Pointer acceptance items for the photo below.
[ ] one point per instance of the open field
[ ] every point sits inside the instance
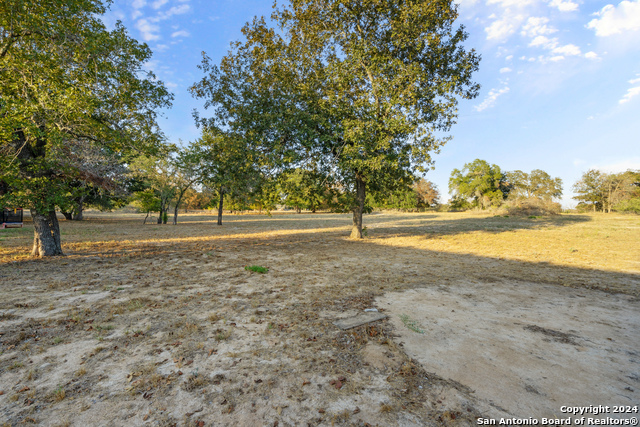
(162, 325)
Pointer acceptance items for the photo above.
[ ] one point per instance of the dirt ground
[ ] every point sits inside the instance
(162, 325)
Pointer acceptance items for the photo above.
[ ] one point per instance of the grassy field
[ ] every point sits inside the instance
(164, 324)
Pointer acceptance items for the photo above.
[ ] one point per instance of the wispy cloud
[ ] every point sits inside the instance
(616, 20)
(491, 98)
(632, 92)
(505, 70)
(181, 33)
(148, 30)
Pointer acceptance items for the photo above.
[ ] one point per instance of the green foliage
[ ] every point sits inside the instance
(537, 184)
(598, 190)
(360, 90)
(69, 87)
(411, 324)
(478, 184)
(256, 269)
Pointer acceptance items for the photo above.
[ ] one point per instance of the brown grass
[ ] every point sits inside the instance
(182, 324)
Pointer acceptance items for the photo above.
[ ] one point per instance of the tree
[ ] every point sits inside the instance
(479, 183)
(537, 184)
(591, 189)
(158, 175)
(67, 82)
(228, 165)
(427, 192)
(623, 191)
(359, 89)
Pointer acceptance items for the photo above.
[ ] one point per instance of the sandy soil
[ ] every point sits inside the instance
(525, 349)
(162, 325)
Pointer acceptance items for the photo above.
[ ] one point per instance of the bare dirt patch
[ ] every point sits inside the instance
(162, 325)
(525, 349)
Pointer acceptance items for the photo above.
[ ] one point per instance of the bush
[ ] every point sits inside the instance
(532, 207)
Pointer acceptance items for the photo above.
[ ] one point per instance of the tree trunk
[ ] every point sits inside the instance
(67, 215)
(145, 218)
(175, 215)
(356, 231)
(46, 234)
(79, 210)
(220, 206)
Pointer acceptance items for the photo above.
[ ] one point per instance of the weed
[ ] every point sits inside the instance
(223, 335)
(16, 365)
(135, 304)
(81, 372)
(214, 317)
(411, 324)
(59, 394)
(256, 268)
(57, 340)
(105, 328)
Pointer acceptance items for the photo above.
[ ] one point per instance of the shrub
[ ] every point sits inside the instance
(532, 207)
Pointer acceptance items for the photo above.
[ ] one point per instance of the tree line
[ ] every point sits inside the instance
(480, 184)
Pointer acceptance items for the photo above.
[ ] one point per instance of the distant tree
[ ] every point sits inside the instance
(623, 191)
(537, 184)
(158, 176)
(478, 184)
(591, 189)
(427, 192)
(229, 165)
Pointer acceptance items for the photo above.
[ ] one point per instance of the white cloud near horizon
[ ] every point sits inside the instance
(616, 19)
(621, 166)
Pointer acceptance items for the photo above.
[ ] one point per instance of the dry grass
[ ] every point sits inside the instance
(184, 326)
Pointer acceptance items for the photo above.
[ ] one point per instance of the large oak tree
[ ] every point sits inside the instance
(362, 89)
(67, 82)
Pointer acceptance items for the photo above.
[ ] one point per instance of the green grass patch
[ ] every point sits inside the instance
(256, 268)
(411, 324)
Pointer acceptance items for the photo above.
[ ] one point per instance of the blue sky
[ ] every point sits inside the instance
(560, 78)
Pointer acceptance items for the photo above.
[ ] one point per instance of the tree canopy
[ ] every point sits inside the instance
(68, 83)
(478, 184)
(359, 90)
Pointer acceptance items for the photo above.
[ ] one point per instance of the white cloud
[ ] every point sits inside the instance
(139, 4)
(511, 3)
(491, 98)
(181, 33)
(564, 5)
(568, 49)
(505, 70)
(147, 30)
(617, 20)
(537, 26)
(632, 92)
(544, 42)
(509, 58)
(591, 55)
(502, 28)
(556, 58)
(621, 166)
(158, 4)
